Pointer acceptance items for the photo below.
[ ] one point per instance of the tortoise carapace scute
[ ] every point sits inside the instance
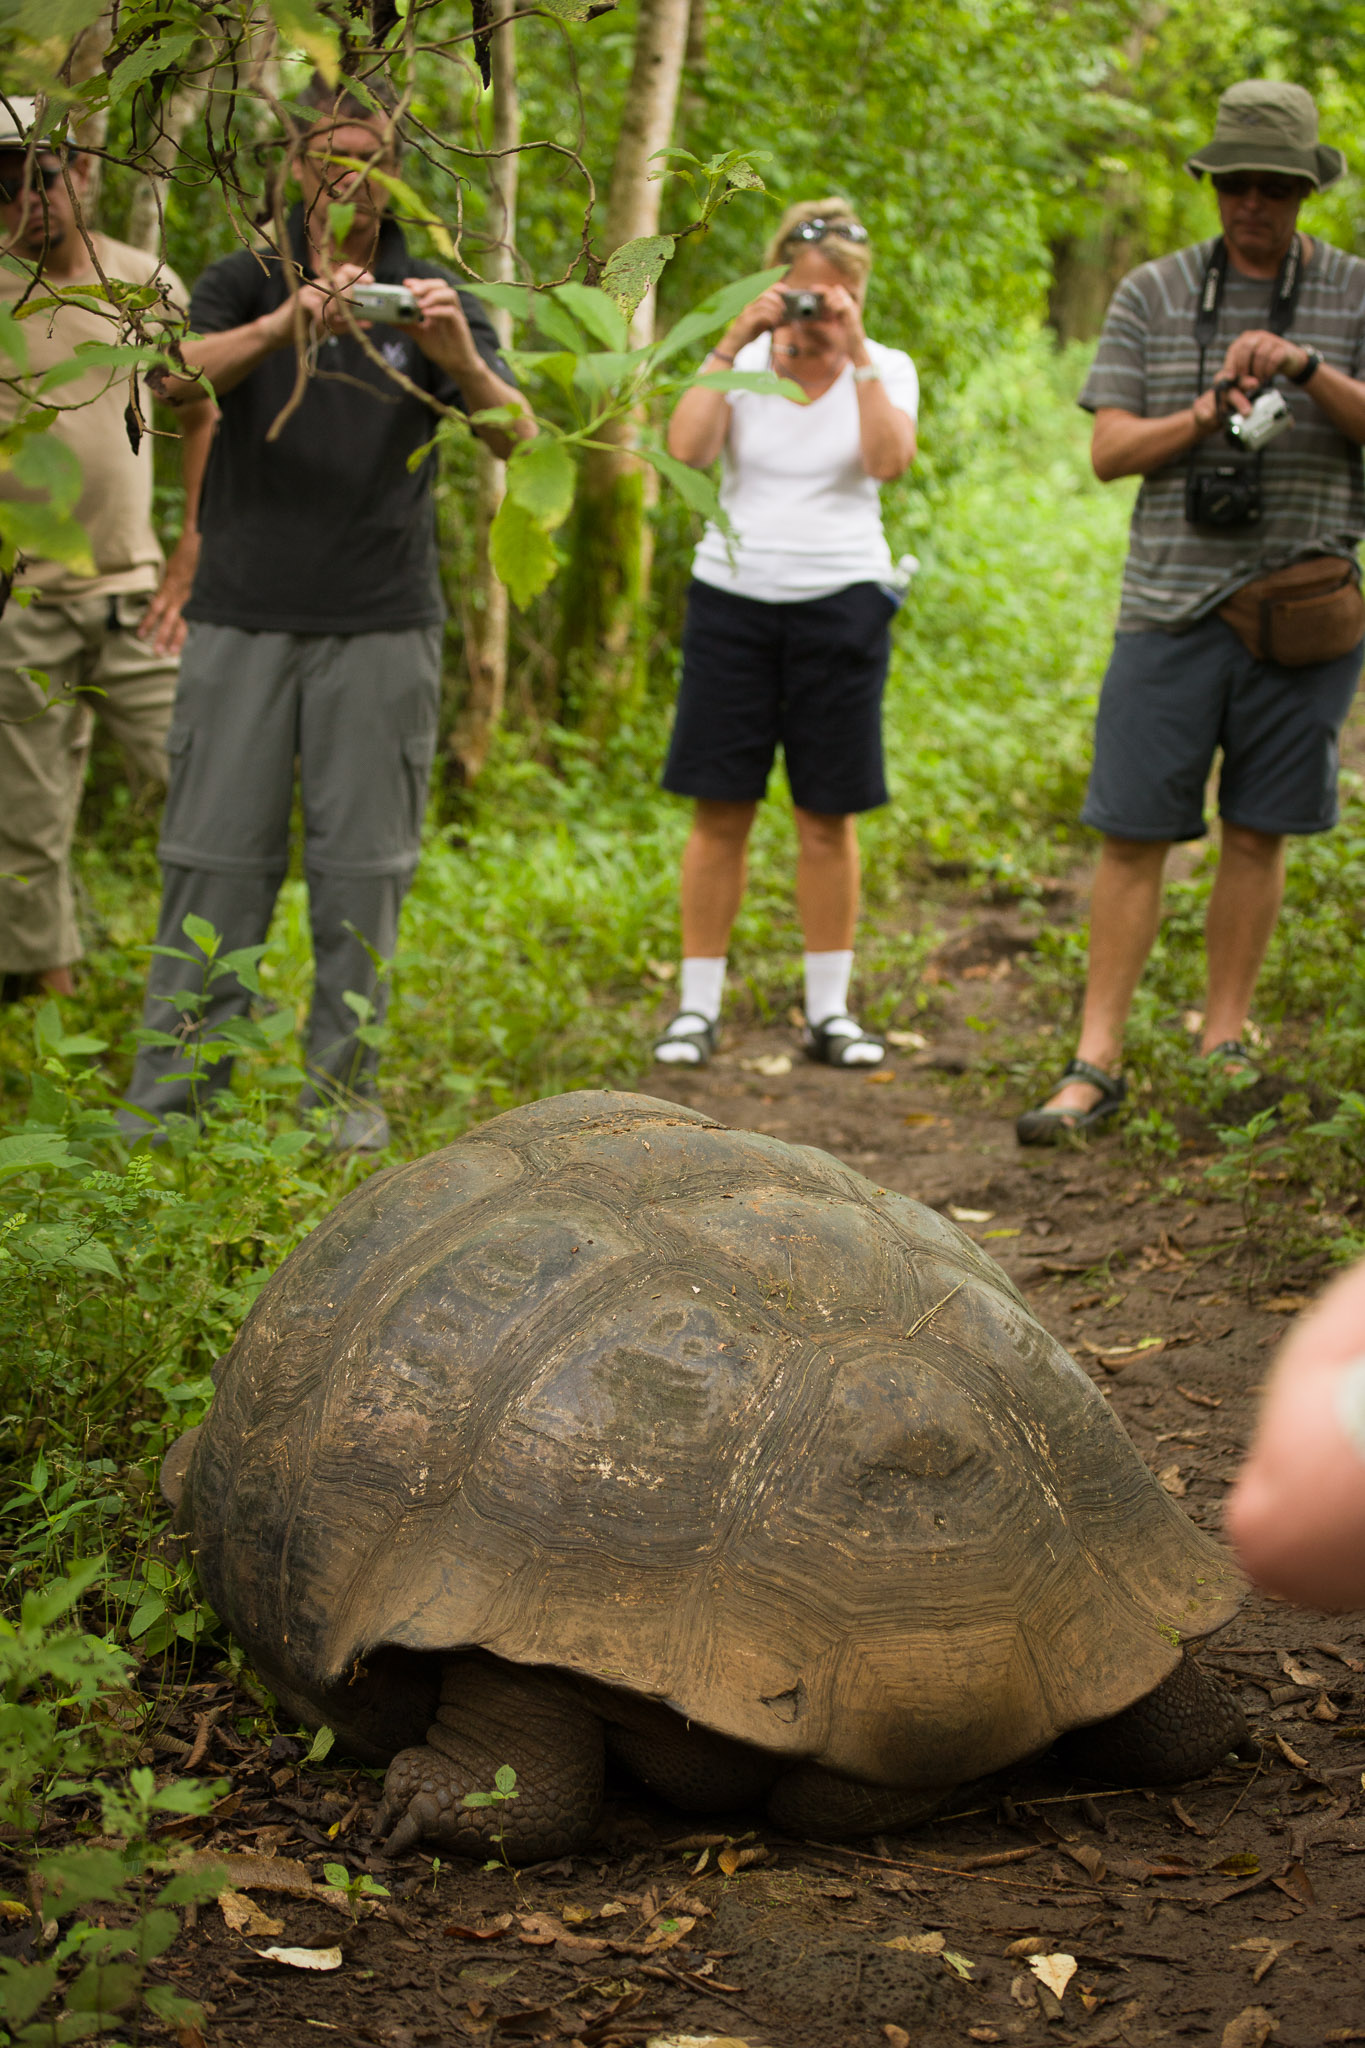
(687, 1416)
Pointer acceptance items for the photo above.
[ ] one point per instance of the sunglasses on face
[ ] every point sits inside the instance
(816, 230)
(13, 187)
(1239, 185)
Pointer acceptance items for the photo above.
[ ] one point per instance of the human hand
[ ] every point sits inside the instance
(843, 313)
(760, 317)
(442, 333)
(162, 624)
(1212, 407)
(1257, 356)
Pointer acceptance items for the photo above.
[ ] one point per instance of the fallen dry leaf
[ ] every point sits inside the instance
(923, 1119)
(494, 1931)
(769, 1064)
(1286, 1304)
(1171, 1480)
(1252, 2028)
(1024, 1991)
(1291, 1756)
(668, 1933)
(1089, 1858)
(1056, 1971)
(10, 1909)
(1199, 1400)
(917, 1944)
(970, 1215)
(1299, 1674)
(882, 1075)
(1244, 1865)
(733, 1859)
(960, 1965)
(698, 2041)
(896, 2036)
(575, 1916)
(243, 1916)
(538, 1930)
(302, 1958)
(1296, 1884)
(982, 2034)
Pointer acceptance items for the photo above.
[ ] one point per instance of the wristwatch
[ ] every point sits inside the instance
(867, 373)
(1312, 363)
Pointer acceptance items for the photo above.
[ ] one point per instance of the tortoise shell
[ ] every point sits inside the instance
(608, 1387)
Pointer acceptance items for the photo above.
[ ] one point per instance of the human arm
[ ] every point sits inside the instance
(701, 419)
(1258, 356)
(162, 623)
(1297, 1515)
(886, 434)
(1123, 444)
(444, 336)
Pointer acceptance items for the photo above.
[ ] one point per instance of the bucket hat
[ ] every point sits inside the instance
(1265, 124)
(16, 121)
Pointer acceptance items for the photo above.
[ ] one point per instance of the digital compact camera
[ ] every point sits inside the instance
(1227, 493)
(803, 305)
(389, 304)
(1269, 417)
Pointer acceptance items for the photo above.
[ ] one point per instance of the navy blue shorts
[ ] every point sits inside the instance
(806, 676)
(1170, 701)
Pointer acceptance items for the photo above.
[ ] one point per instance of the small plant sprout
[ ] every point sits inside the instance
(504, 1788)
(355, 1888)
(435, 1871)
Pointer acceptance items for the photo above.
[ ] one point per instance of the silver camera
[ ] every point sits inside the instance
(1269, 417)
(803, 305)
(390, 304)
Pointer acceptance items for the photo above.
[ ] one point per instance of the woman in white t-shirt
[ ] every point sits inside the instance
(787, 637)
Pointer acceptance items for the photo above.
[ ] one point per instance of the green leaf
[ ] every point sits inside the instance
(301, 24)
(321, 1746)
(57, 20)
(23, 1987)
(717, 311)
(158, 53)
(556, 323)
(415, 208)
(631, 270)
(597, 374)
(46, 536)
(505, 1779)
(104, 1988)
(98, 355)
(509, 298)
(201, 933)
(765, 382)
(13, 340)
(47, 465)
(22, 1154)
(693, 486)
(541, 476)
(337, 1874)
(522, 553)
(597, 312)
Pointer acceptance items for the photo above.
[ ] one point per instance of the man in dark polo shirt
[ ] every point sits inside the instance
(1241, 622)
(315, 618)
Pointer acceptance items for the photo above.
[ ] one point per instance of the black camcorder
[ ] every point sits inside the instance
(1223, 494)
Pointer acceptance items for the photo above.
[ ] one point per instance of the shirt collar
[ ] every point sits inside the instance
(391, 263)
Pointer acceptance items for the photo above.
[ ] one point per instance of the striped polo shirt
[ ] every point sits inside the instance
(1312, 494)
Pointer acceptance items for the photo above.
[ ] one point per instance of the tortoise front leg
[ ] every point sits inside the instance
(1182, 1730)
(493, 1714)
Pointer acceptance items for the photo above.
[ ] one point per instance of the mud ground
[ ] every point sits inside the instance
(1232, 1912)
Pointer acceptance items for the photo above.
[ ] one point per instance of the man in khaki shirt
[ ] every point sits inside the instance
(106, 642)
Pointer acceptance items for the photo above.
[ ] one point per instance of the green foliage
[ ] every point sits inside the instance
(356, 1887)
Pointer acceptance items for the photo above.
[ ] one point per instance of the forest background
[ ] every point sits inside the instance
(1011, 161)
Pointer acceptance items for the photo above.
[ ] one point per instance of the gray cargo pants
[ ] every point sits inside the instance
(358, 711)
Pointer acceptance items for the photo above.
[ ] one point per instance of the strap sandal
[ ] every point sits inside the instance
(841, 1042)
(1232, 1061)
(1049, 1126)
(689, 1040)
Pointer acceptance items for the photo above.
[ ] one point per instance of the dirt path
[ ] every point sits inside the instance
(1233, 1913)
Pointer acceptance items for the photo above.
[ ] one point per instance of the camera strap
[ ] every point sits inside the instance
(1283, 301)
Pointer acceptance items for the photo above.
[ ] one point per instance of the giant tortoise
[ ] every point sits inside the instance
(609, 1430)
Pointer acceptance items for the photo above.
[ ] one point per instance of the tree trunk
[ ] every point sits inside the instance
(485, 617)
(606, 582)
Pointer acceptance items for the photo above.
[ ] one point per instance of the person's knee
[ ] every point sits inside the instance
(825, 834)
(1135, 856)
(1252, 849)
(722, 823)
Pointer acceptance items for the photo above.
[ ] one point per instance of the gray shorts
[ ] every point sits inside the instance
(1170, 701)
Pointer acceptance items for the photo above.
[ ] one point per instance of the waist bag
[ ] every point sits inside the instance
(1310, 612)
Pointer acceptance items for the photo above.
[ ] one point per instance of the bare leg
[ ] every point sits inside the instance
(827, 879)
(1125, 912)
(493, 1714)
(713, 874)
(1245, 903)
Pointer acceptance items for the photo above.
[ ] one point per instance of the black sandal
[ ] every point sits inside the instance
(1048, 1126)
(696, 1044)
(1232, 1054)
(832, 1046)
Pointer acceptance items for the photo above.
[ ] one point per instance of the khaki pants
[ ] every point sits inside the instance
(82, 645)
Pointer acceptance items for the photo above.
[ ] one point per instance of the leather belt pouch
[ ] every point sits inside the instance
(1311, 612)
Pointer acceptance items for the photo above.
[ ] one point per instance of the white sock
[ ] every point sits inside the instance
(703, 985)
(827, 979)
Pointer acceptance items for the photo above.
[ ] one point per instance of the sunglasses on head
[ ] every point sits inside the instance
(816, 230)
(11, 188)
(1237, 184)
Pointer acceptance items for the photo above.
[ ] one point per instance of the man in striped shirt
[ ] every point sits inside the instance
(1189, 342)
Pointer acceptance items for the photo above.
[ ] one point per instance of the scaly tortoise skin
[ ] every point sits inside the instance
(610, 1427)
